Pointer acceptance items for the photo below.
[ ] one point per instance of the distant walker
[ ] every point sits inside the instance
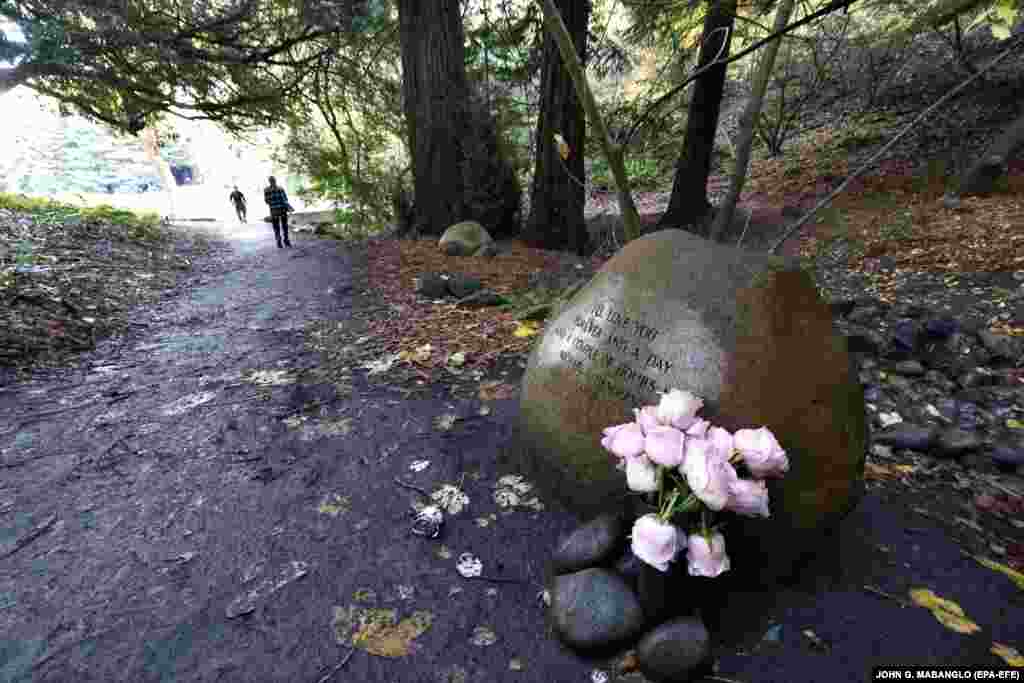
(238, 200)
(277, 199)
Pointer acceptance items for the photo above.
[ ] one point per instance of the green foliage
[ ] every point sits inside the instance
(141, 226)
(238, 62)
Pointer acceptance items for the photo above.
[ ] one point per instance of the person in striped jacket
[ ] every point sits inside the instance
(277, 199)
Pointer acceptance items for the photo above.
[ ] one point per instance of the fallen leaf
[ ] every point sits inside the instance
(1013, 575)
(419, 465)
(469, 566)
(563, 146)
(445, 422)
(457, 359)
(380, 633)
(527, 329)
(269, 378)
(515, 664)
(451, 498)
(947, 612)
(483, 636)
(334, 504)
(382, 364)
(496, 390)
(889, 419)
(1009, 654)
(816, 642)
(1015, 424)
(187, 403)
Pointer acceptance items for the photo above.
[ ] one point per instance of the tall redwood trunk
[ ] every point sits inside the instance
(557, 195)
(688, 205)
(435, 94)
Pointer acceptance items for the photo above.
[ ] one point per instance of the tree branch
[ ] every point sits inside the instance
(830, 8)
(874, 157)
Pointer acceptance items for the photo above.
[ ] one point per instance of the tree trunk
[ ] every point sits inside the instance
(751, 111)
(981, 177)
(557, 195)
(435, 93)
(613, 152)
(688, 204)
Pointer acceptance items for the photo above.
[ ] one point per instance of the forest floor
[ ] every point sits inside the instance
(211, 449)
(226, 491)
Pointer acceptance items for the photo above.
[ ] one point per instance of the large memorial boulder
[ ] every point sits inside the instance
(744, 330)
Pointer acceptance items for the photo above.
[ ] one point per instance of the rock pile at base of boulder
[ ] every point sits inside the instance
(602, 597)
(934, 386)
(467, 289)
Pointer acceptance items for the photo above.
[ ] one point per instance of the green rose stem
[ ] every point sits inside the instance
(661, 486)
(666, 511)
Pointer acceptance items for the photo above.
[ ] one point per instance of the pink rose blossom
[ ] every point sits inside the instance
(664, 446)
(748, 497)
(656, 542)
(721, 442)
(707, 475)
(699, 428)
(647, 417)
(761, 453)
(707, 558)
(641, 475)
(678, 409)
(624, 441)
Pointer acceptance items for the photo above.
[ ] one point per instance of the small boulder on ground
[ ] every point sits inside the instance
(590, 545)
(461, 286)
(484, 297)
(594, 608)
(675, 651)
(432, 285)
(464, 239)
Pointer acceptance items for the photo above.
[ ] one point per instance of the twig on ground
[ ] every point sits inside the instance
(34, 533)
(496, 579)
(750, 214)
(890, 596)
(1008, 491)
(337, 667)
(412, 487)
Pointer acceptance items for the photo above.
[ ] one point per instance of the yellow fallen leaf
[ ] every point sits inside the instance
(334, 504)
(525, 330)
(1009, 655)
(1015, 424)
(563, 146)
(1013, 574)
(947, 612)
(378, 631)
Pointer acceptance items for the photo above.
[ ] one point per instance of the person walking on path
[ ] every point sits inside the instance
(277, 199)
(238, 199)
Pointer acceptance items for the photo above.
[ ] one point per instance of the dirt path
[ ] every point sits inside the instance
(191, 505)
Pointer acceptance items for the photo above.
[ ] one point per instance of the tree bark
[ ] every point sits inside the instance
(981, 177)
(557, 195)
(688, 204)
(751, 111)
(435, 93)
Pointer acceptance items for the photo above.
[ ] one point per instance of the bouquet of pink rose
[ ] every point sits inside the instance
(692, 467)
